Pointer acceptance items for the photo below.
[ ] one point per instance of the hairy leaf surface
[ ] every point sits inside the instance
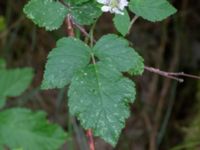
(124, 58)
(99, 97)
(46, 13)
(86, 13)
(69, 56)
(23, 129)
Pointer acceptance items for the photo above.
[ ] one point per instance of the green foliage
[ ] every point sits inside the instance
(85, 14)
(46, 13)
(95, 88)
(23, 129)
(51, 14)
(13, 82)
(69, 56)
(122, 22)
(99, 97)
(117, 50)
(152, 10)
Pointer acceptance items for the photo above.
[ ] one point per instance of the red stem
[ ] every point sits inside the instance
(70, 32)
(90, 139)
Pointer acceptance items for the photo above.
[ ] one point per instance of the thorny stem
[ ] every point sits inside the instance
(70, 32)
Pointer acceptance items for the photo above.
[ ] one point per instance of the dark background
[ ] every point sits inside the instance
(165, 114)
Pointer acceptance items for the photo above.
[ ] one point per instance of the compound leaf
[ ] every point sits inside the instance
(152, 10)
(23, 129)
(46, 13)
(69, 56)
(99, 97)
(117, 50)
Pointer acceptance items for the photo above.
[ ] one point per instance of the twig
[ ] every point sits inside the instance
(70, 30)
(171, 75)
(163, 73)
(82, 29)
(90, 139)
(132, 22)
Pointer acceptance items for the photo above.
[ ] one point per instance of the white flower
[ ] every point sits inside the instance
(113, 6)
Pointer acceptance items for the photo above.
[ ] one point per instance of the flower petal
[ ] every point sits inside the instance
(106, 8)
(103, 1)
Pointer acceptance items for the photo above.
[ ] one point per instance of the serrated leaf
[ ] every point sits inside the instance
(69, 56)
(14, 82)
(122, 22)
(99, 97)
(22, 128)
(116, 50)
(86, 13)
(46, 13)
(152, 10)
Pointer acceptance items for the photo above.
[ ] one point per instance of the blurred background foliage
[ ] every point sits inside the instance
(166, 113)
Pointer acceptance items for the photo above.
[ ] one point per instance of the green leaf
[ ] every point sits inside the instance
(116, 50)
(152, 10)
(86, 13)
(99, 97)
(69, 56)
(2, 63)
(46, 13)
(14, 82)
(122, 22)
(22, 128)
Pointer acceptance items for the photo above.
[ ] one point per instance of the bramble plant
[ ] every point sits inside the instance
(99, 94)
